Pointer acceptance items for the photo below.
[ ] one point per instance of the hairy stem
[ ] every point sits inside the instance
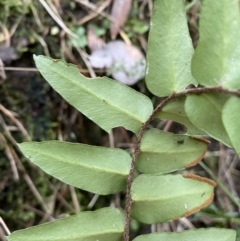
(197, 91)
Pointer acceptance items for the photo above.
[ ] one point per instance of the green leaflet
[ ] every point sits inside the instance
(174, 110)
(216, 59)
(205, 112)
(162, 152)
(231, 121)
(169, 49)
(107, 102)
(95, 169)
(106, 224)
(167, 197)
(206, 234)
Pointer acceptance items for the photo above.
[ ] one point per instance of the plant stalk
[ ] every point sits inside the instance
(197, 91)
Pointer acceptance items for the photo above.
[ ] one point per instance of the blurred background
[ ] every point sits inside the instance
(95, 36)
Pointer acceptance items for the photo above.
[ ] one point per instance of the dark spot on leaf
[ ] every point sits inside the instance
(180, 142)
(203, 194)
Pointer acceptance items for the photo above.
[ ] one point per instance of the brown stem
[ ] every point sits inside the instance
(140, 135)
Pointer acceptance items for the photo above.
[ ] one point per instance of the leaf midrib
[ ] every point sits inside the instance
(71, 163)
(172, 197)
(166, 153)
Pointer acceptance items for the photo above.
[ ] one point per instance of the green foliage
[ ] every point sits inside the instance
(168, 63)
(175, 110)
(202, 109)
(163, 152)
(154, 198)
(96, 169)
(167, 197)
(105, 224)
(231, 117)
(81, 40)
(216, 60)
(98, 98)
